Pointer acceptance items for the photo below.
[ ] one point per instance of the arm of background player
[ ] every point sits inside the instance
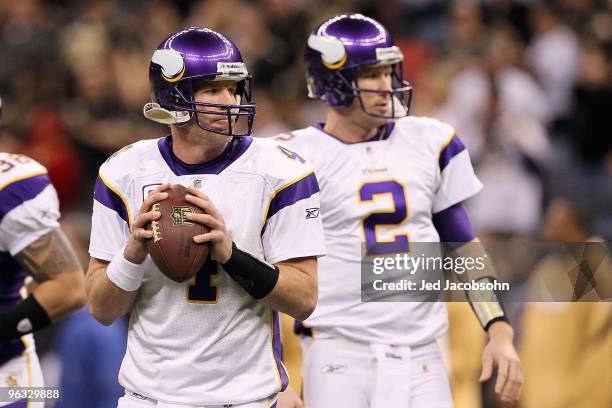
(295, 292)
(107, 302)
(51, 261)
(453, 225)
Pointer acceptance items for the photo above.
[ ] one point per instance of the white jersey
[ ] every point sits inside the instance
(381, 192)
(29, 209)
(207, 341)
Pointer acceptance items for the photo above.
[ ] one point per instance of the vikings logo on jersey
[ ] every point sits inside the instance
(11, 380)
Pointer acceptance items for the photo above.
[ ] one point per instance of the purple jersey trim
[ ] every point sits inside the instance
(277, 348)
(453, 224)
(232, 152)
(108, 198)
(300, 190)
(21, 191)
(453, 148)
(382, 133)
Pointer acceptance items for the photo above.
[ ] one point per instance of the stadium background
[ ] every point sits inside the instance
(527, 84)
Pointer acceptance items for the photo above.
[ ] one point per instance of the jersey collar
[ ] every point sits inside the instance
(382, 133)
(232, 152)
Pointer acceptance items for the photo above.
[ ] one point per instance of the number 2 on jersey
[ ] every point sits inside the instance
(396, 216)
(202, 290)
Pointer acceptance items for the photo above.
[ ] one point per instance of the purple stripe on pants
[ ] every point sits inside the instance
(278, 351)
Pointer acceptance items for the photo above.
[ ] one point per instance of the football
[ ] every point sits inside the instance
(172, 247)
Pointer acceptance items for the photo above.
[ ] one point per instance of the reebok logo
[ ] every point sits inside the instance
(312, 213)
(334, 369)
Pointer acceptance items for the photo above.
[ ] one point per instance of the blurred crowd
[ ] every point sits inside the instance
(527, 84)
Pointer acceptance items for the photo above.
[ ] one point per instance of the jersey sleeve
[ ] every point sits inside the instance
(110, 226)
(293, 227)
(458, 181)
(29, 209)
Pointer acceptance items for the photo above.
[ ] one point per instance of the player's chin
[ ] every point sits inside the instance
(220, 125)
(376, 117)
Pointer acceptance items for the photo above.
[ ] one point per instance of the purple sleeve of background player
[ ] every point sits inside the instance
(453, 224)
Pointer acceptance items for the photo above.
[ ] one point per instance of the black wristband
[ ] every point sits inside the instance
(255, 276)
(23, 318)
(495, 319)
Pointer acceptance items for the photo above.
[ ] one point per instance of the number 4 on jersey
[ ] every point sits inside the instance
(291, 154)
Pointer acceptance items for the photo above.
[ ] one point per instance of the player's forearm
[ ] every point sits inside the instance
(62, 294)
(52, 263)
(295, 292)
(107, 302)
(289, 287)
(485, 303)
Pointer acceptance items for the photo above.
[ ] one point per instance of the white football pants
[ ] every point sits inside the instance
(132, 400)
(340, 373)
(22, 371)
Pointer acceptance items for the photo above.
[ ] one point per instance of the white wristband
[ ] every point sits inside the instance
(126, 275)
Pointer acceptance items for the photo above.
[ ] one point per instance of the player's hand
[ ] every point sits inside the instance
(218, 237)
(289, 399)
(500, 353)
(136, 248)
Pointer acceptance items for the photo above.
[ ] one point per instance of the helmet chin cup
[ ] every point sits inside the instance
(153, 111)
(400, 98)
(398, 109)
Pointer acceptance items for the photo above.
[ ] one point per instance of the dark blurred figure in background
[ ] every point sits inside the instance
(589, 122)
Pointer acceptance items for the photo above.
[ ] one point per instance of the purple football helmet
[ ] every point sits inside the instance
(338, 48)
(187, 57)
